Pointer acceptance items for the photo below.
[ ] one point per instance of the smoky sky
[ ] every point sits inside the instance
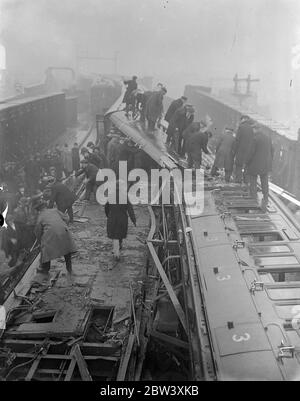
(177, 41)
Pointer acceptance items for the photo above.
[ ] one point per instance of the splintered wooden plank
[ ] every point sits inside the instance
(169, 339)
(124, 363)
(22, 287)
(70, 370)
(83, 369)
(33, 368)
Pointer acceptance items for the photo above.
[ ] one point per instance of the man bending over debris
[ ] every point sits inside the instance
(54, 236)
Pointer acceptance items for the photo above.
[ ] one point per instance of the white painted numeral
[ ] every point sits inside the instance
(223, 278)
(238, 339)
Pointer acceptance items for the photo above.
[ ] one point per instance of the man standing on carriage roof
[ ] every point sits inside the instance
(131, 86)
(259, 163)
(244, 142)
(175, 105)
(155, 108)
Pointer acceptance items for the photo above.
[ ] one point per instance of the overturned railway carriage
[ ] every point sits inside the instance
(236, 291)
(29, 124)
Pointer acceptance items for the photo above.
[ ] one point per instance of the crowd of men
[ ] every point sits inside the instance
(38, 184)
(244, 154)
(39, 177)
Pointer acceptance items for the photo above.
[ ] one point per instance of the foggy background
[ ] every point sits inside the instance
(179, 42)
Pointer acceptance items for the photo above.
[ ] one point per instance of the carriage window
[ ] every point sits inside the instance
(286, 277)
(276, 260)
(281, 294)
(245, 210)
(261, 250)
(261, 237)
(256, 227)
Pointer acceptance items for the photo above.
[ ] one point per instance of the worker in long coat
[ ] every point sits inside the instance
(67, 160)
(182, 118)
(196, 142)
(192, 128)
(155, 108)
(63, 197)
(175, 105)
(54, 237)
(141, 102)
(75, 157)
(244, 142)
(131, 86)
(114, 148)
(259, 163)
(117, 221)
(225, 152)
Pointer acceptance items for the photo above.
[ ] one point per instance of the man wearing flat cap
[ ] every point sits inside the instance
(181, 119)
(54, 236)
(244, 142)
(175, 105)
(155, 108)
(259, 163)
(225, 151)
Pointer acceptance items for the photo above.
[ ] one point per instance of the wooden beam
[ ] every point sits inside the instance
(124, 362)
(83, 369)
(70, 370)
(170, 339)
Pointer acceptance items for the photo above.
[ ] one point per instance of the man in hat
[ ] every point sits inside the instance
(117, 219)
(32, 174)
(259, 163)
(244, 142)
(155, 108)
(196, 140)
(141, 101)
(90, 171)
(54, 236)
(63, 197)
(67, 160)
(131, 85)
(225, 152)
(24, 224)
(75, 157)
(91, 158)
(180, 120)
(175, 105)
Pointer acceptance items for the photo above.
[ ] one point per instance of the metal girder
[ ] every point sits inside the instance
(169, 339)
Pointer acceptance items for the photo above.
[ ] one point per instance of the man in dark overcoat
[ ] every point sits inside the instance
(63, 197)
(54, 237)
(181, 119)
(225, 151)
(75, 157)
(131, 86)
(259, 163)
(141, 101)
(195, 143)
(244, 141)
(176, 104)
(155, 108)
(90, 171)
(117, 221)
